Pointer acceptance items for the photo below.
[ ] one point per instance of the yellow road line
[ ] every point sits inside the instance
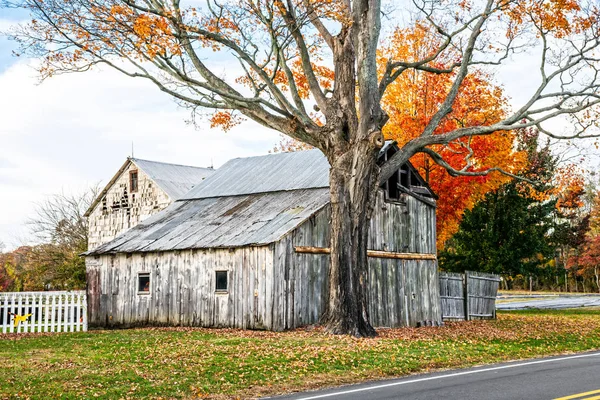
(580, 395)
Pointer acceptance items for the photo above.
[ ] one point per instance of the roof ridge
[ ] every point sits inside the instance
(134, 159)
(251, 194)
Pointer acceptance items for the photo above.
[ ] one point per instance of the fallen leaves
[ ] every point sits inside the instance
(230, 363)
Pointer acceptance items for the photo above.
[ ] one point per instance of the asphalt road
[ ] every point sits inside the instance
(547, 302)
(565, 378)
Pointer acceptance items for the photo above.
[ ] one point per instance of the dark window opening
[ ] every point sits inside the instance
(221, 281)
(393, 192)
(133, 181)
(144, 283)
(404, 177)
(414, 180)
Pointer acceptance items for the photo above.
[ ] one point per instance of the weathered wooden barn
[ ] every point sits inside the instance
(247, 248)
(139, 189)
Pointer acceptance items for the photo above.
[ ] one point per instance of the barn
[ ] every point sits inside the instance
(248, 248)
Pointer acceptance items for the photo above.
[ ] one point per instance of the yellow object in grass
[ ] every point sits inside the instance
(20, 318)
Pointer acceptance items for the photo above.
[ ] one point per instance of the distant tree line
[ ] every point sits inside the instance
(543, 233)
(54, 263)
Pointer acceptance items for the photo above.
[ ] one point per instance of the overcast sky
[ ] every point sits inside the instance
(74, 131)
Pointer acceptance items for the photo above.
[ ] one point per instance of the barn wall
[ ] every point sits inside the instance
(401, 292)
(120, 210)
(404, 226)
(182, 289)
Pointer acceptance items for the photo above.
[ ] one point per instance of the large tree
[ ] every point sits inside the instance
(309, 70)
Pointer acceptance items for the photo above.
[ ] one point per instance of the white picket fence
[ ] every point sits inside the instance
(50, 311)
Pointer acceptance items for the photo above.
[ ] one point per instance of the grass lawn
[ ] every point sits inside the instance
(204, 363)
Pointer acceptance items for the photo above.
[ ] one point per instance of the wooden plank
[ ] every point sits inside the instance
(370, 253)
(484, 278)
(4, 309)
(19, 312)
(40, 312)
(53, 300)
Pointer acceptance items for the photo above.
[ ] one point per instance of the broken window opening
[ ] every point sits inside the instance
(133, 181)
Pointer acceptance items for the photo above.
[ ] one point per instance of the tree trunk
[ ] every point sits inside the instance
(354, 180)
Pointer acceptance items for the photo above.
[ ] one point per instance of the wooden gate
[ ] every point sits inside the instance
(22, 312)
(452, 294)
(469, 296)
(481, 292)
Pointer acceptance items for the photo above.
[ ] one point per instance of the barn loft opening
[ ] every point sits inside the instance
(133, 181)
(405, 180)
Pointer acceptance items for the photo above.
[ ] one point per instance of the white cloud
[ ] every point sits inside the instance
(72, 131)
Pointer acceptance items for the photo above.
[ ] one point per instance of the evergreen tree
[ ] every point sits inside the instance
(510, 231)
(506, 233)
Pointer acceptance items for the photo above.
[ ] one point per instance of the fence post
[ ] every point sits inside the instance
(47, 308)
(85, 311)
(466, 286)
(4, 305)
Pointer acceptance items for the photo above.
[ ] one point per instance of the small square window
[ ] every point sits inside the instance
(143, 283)
(133, 181)
(221, 281)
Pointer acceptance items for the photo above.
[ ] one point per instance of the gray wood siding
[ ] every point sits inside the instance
(401, 292)
(182, 289)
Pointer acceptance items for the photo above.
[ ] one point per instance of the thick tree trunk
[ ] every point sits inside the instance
(353, 184)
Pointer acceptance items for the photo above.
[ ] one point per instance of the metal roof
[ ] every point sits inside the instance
(233, 221)
(176, 180)
(307, 169)
(248, 201)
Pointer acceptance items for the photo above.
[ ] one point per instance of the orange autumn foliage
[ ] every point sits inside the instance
(411, 102)
(224, 119)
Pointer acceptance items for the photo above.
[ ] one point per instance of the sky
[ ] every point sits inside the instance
(74, 131)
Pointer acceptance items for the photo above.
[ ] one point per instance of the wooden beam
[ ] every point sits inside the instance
(370, 253)
(401, 256)
(312, 250)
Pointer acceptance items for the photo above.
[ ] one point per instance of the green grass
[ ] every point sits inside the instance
(192, 363)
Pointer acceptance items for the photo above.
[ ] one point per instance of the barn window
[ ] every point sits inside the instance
(133, 181)
(221, 281)
(143, 283)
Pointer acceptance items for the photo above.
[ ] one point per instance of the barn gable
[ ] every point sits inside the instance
(138, 190)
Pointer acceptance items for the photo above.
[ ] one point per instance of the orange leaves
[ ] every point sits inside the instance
(225, 120)
(413, 99)
(155, 36)
(557, 18)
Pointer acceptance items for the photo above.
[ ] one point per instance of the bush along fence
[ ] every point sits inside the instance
(468, 296)
(23, 312)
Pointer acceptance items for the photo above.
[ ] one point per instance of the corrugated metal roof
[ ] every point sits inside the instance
(271, 173)
(176, 180)
(233, 221)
